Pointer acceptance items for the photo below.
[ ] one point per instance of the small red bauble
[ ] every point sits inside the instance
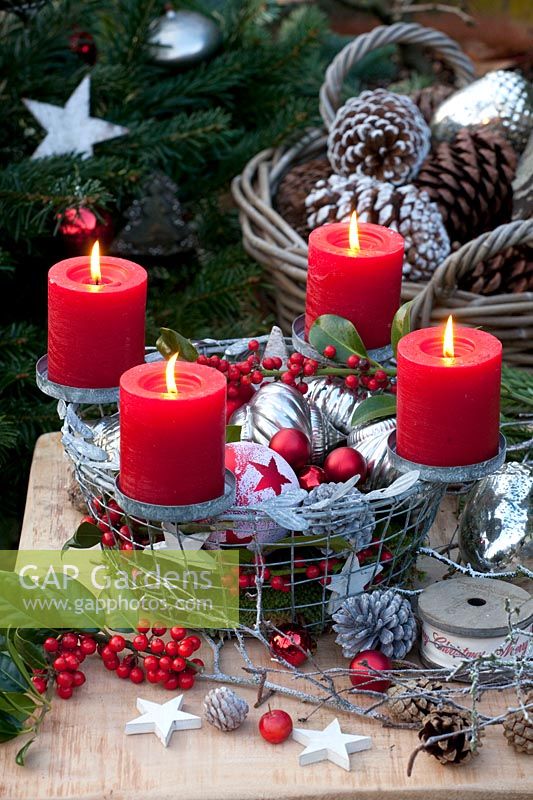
(344, 463)
(362, 677)
(80, 228)
(293, 445)
(275, 726)
(82, 43)
(311, 477)
(289, 643)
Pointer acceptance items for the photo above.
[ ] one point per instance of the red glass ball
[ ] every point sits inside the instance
(275, 726)
(311, 476)
(82, 43)
(80, 228)
(293, 445)
(287, 643)
(344, 463)
(363, 678)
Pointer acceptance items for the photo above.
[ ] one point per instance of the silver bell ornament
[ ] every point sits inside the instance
(335, 401)
(371, 441)
(182, 38)
(275, 406)
(496, 528)
(500, 99)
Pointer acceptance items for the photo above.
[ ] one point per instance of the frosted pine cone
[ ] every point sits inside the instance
(383, 620)
(350, 516)
(379, 134)
(405, 209)
(224, 709)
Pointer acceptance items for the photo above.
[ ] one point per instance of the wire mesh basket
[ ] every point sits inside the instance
(322, 553)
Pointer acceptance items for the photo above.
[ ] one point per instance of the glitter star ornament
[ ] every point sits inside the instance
(70, 129)
(162, 719)
(331, 744)
(351, 580)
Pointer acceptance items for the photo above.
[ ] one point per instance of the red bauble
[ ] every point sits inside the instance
(82, 43)
(80, 228)
(287, 643)
(275, 726)
(344, 463)
(311, 477)
(293, 445)
(362, 677)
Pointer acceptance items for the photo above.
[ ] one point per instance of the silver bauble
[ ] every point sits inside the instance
(496, 528)
(499, 99)
(275, 406)
(335, 401)
(182, 38)
(371, 441)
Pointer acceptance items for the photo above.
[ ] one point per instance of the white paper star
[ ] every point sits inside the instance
(351, 580)
(331, 744)
(70, 128)
(162, 719)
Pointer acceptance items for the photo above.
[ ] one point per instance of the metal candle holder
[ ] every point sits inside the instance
(453, 475)
(300, 343)
(71, 394)
(184, 513)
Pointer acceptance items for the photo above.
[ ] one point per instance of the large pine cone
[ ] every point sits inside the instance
(510, 271)
(429, 98)
(379, 134)
(294, 188)
(403, 208)
(457, 749)
(407, 704)
(471, 181)
(518, 731)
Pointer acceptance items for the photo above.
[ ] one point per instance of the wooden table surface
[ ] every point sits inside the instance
(83, 754)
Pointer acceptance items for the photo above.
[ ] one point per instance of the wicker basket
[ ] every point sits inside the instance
(269, 239)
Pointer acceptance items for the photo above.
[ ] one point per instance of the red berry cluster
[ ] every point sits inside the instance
(68, 651)
(298, 368)
(320, 571)
(364, 374)
(166, 663)
(116, 531)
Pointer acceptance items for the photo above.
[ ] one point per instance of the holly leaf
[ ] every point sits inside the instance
(233, 433)
(171, 342)
(31, 653)
(339, 332)
(21, 755)
(10, 726)
(401, 325)
(87, 535)
(11, 678)
(375, 407)
(17, 704)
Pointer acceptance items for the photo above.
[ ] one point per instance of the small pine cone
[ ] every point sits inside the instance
(294, 188)
(406, 707)
(382, 620)
(456, 749)
(519, 731)
(405, 209)
(510, 271)
(379, 134)
(350, 516)
(224, 709)
(429, 98)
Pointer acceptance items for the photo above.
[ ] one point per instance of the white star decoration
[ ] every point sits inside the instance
(71, 129)
(351, 580)
(162, 719)
(331, 744)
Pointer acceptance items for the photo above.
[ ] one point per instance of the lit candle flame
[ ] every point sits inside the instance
(96, 274)
(353, 234)
(170, 376)
(448, 350)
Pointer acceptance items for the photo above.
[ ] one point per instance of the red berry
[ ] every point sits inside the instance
(51, 645)
(277, 583)
(288, 378)
(117, 643)
(72, 662)
(87, 519)
(171, 683)
(165, 663)
(97, 506)
(88, 645)
(104, 527)
(107, 653)
(275, 726)
(60, 664)
(140, 642)
(171, 649)
(65, 692)
(373, 385)
(151, 663)
(268, 363)
(309, 370)
(353, 361)
(185, 649)
(379, 375)
(111, 663)
(351, 381)
(196, 641)
(78, 678)
(157, 646)
(162, 675)
(234, 373)
(312, 572)
(253, 345)
(127, 545)
(296, 369)
(296, 358)
(330, 351)
(223, 365)
(108, 539)
(364, 364)
(214, 361)
(158, 630)
(243, 581)
(123, 671)
(40, 684)
(302, 387)
(233, 392)
(64, 679)
(178, 633)
(326, 580)
(299, 562)
(244, 367)
(393, 389)
(179, 664)
(198, 662)
(143, 626)
(114, 513)
(69, 641)
(152, 676)
(125, 532)
(203, 360)
(136, 675)
(276, 360)
(185, 681)
(324, 566)
(363, 677)
(256, 376)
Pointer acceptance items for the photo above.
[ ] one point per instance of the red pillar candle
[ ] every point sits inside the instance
(95, 325)
(360, 284)
(448, 406)
(172, 442)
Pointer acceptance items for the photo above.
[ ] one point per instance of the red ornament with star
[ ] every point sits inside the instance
(261, 474)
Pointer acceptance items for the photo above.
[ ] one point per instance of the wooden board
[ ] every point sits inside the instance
(83, 754)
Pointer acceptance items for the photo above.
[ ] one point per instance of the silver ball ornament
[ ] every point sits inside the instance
(183, 38)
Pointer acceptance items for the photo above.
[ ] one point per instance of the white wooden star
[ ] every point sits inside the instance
(351, 580)
(331, 744)
(70, 128)
(162, 719)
